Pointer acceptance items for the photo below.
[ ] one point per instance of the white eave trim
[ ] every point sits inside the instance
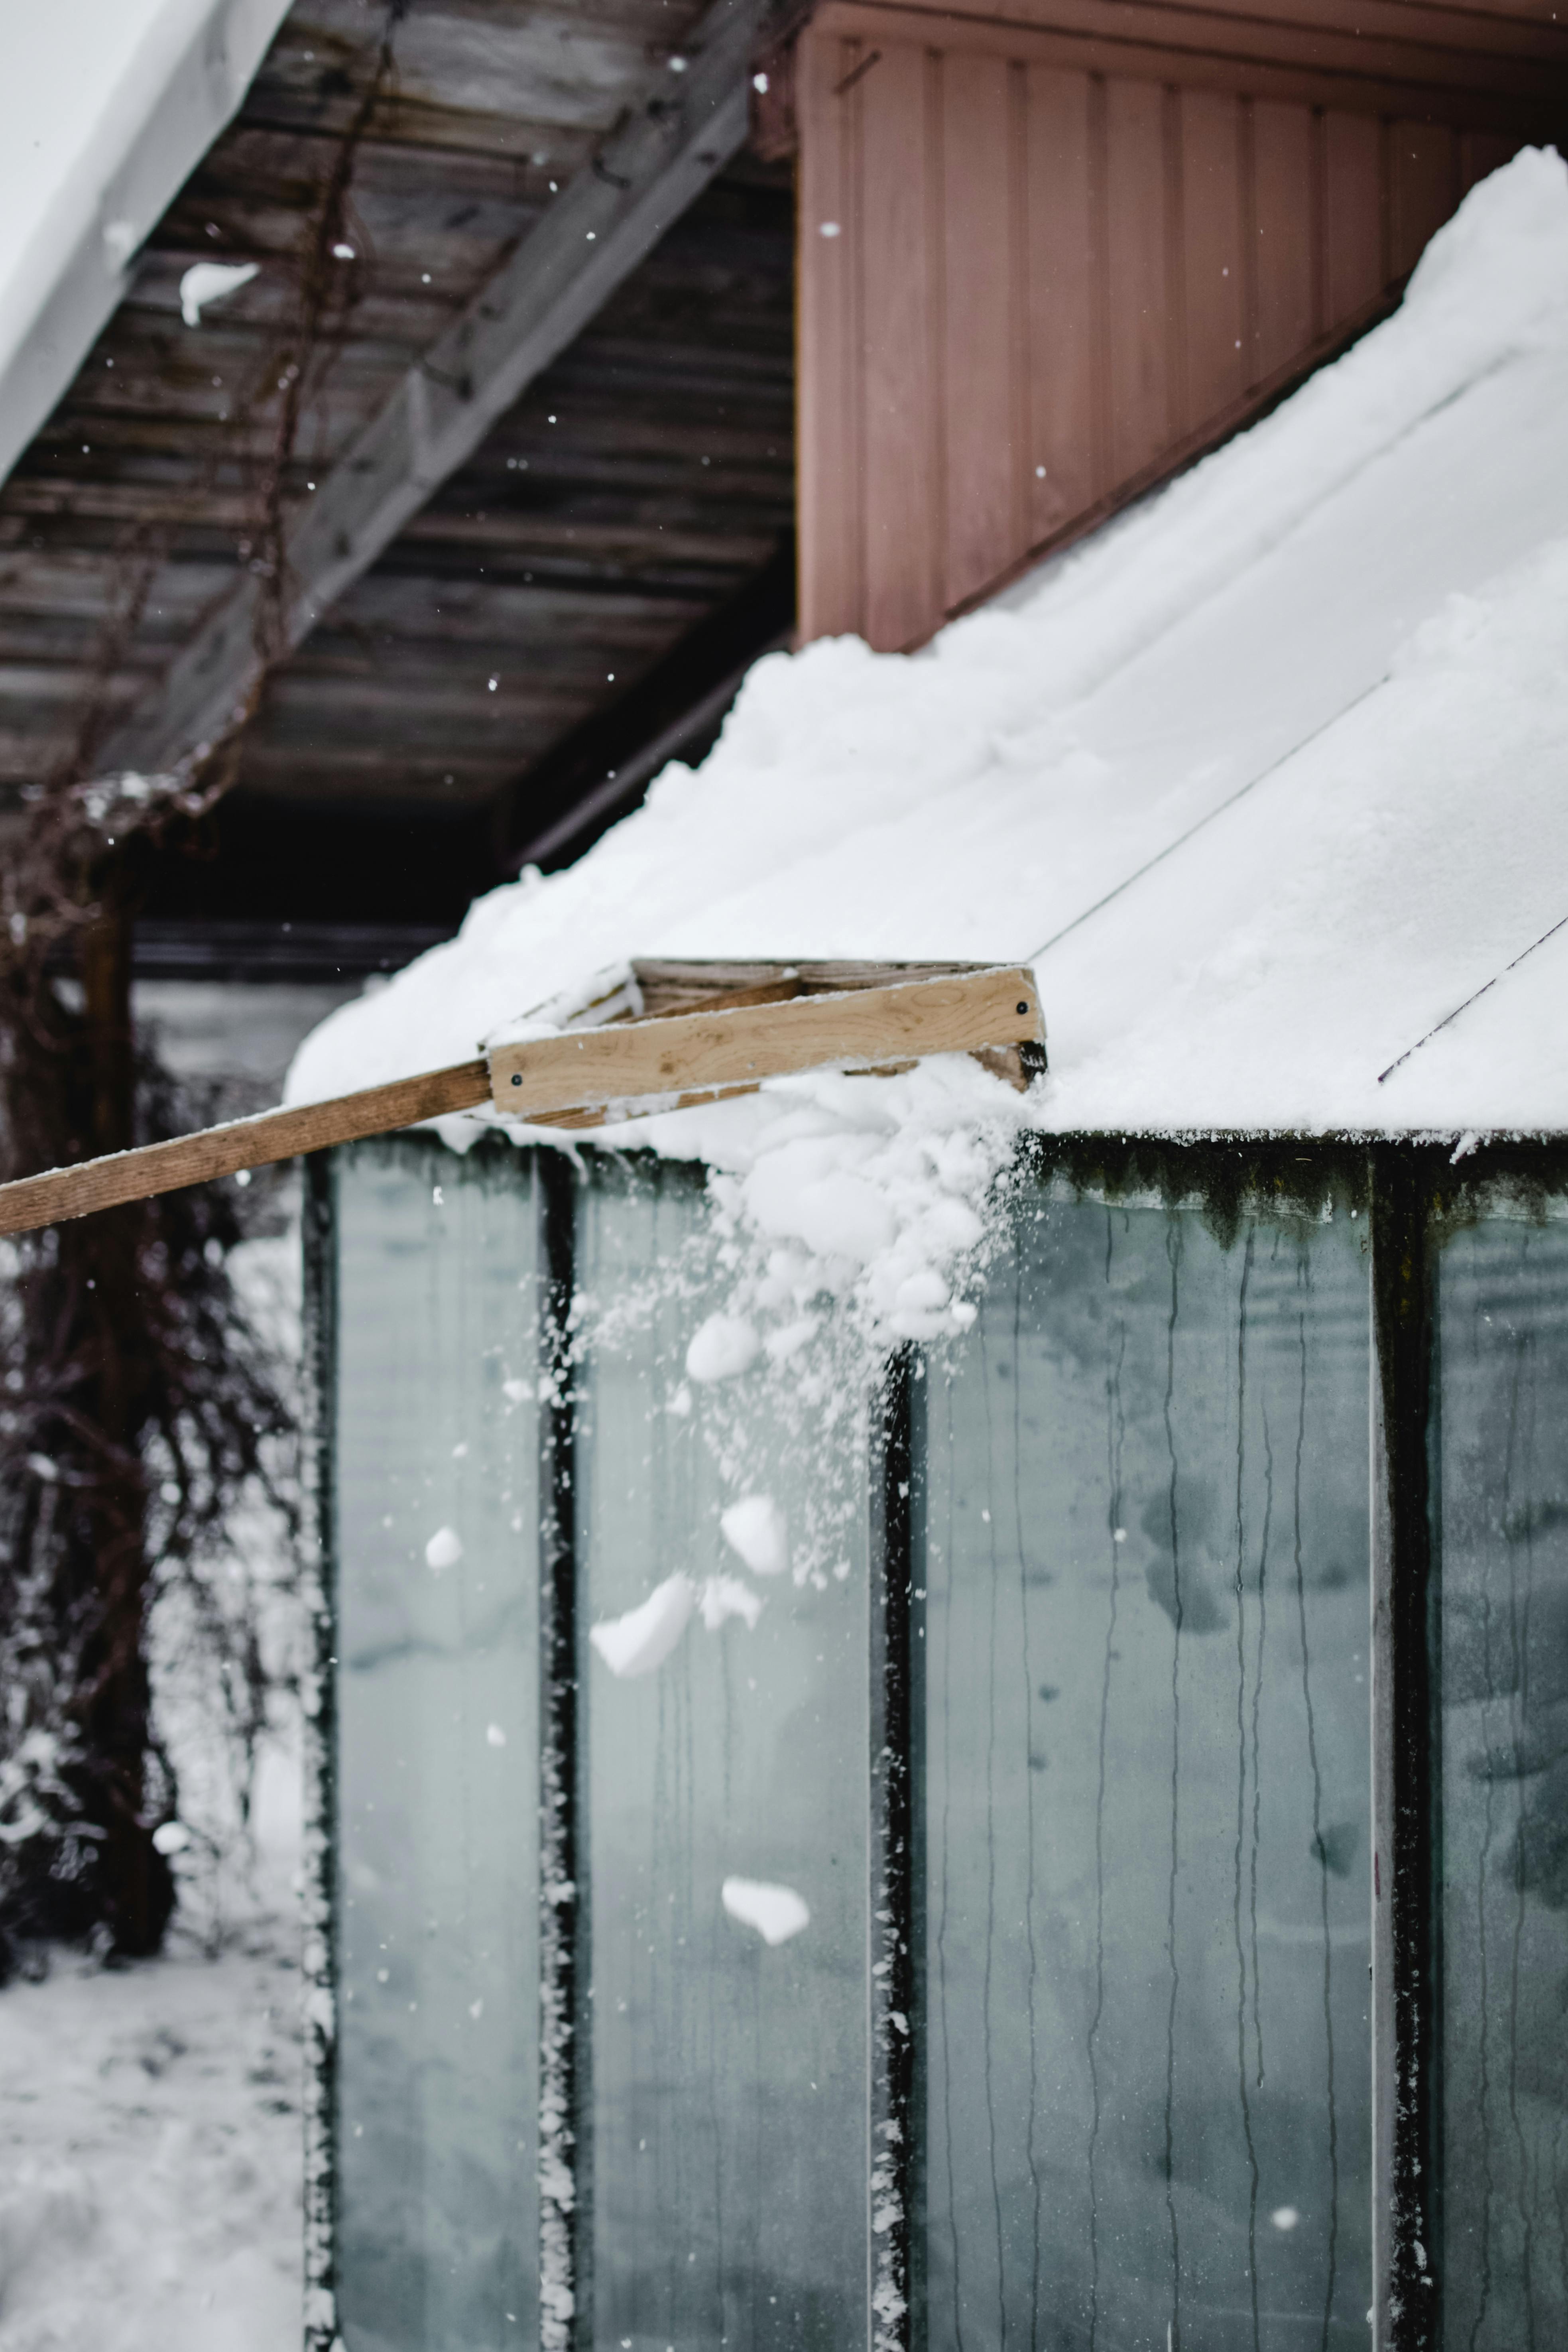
(188, 79)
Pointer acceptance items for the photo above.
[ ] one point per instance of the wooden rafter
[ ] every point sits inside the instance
(602, 224)
(706, 1030)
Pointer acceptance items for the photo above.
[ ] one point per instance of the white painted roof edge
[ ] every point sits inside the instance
(189, 78)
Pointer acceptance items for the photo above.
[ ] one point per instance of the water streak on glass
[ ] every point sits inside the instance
(730, 2162)
(1147, 1802)
(1502, 1294)
(437, 1786)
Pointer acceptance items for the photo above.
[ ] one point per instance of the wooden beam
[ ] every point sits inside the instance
(605, 222)
(710, 984)
(761, 1021)
(692, 1054)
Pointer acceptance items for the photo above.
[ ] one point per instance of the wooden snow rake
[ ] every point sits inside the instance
(665, 1036)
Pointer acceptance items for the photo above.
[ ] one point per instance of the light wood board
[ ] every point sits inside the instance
(692, 1054)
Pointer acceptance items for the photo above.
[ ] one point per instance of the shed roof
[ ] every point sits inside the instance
(1266, 779)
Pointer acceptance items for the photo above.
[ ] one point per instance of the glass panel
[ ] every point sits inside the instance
(1503, 1584)
(730, 2167)
(1148, 1792)
(437, 1565)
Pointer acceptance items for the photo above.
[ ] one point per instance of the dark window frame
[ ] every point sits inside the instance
(1414, 1193)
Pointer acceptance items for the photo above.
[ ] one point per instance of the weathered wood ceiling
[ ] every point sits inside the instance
(633, 492)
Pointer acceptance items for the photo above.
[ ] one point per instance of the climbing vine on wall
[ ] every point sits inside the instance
(138, 1402)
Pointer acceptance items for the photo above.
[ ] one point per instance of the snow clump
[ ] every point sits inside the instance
(776, 1913)
(756, 1528)
(640, 1640)
(211, 281)
(443, 1550)
(722, 1347)
(724, 1597)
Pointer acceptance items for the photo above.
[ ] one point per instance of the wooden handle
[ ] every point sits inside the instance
(35, 1200)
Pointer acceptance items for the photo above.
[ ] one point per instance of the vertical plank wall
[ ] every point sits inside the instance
(1029, 289)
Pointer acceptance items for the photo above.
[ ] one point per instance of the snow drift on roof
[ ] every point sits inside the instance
(1267, 778)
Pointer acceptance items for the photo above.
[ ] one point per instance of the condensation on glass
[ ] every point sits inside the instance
(728, 2104)
(1147, 1791)
(1502, 1675)
(436, 1446)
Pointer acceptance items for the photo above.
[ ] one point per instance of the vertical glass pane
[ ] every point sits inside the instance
(437, 1571)
(730, 2166)
(1503, 1612)
(1148, 1792)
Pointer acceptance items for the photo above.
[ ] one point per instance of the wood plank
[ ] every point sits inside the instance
(1212, 215)
(977, 423)
(900, 299)
(1062, 440)
(1282, 168)
(1005, 1062)
(1354, 231)
(1139, 299)
(680, 985)
(1424, 187)
(47, 1200)
(1491, 92)
(1482, 153)
(700, 1052)
(828, 491)
(605, 222)
(1389, 38)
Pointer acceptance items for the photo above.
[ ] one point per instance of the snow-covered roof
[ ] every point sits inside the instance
(106, 106)
(1266, 779)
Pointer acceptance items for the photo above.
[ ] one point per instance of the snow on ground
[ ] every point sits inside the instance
(150, 2135)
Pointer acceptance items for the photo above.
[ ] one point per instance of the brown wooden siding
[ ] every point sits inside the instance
(1040, 269)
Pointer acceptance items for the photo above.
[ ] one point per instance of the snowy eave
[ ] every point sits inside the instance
(1267, 779)
(117, 161)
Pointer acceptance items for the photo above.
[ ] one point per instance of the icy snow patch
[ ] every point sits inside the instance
(756, 1528)
(776, 1913)
(641, 1640)
(150, 2142)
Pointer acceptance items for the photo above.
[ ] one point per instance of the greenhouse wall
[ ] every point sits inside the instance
(1080, 1863)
